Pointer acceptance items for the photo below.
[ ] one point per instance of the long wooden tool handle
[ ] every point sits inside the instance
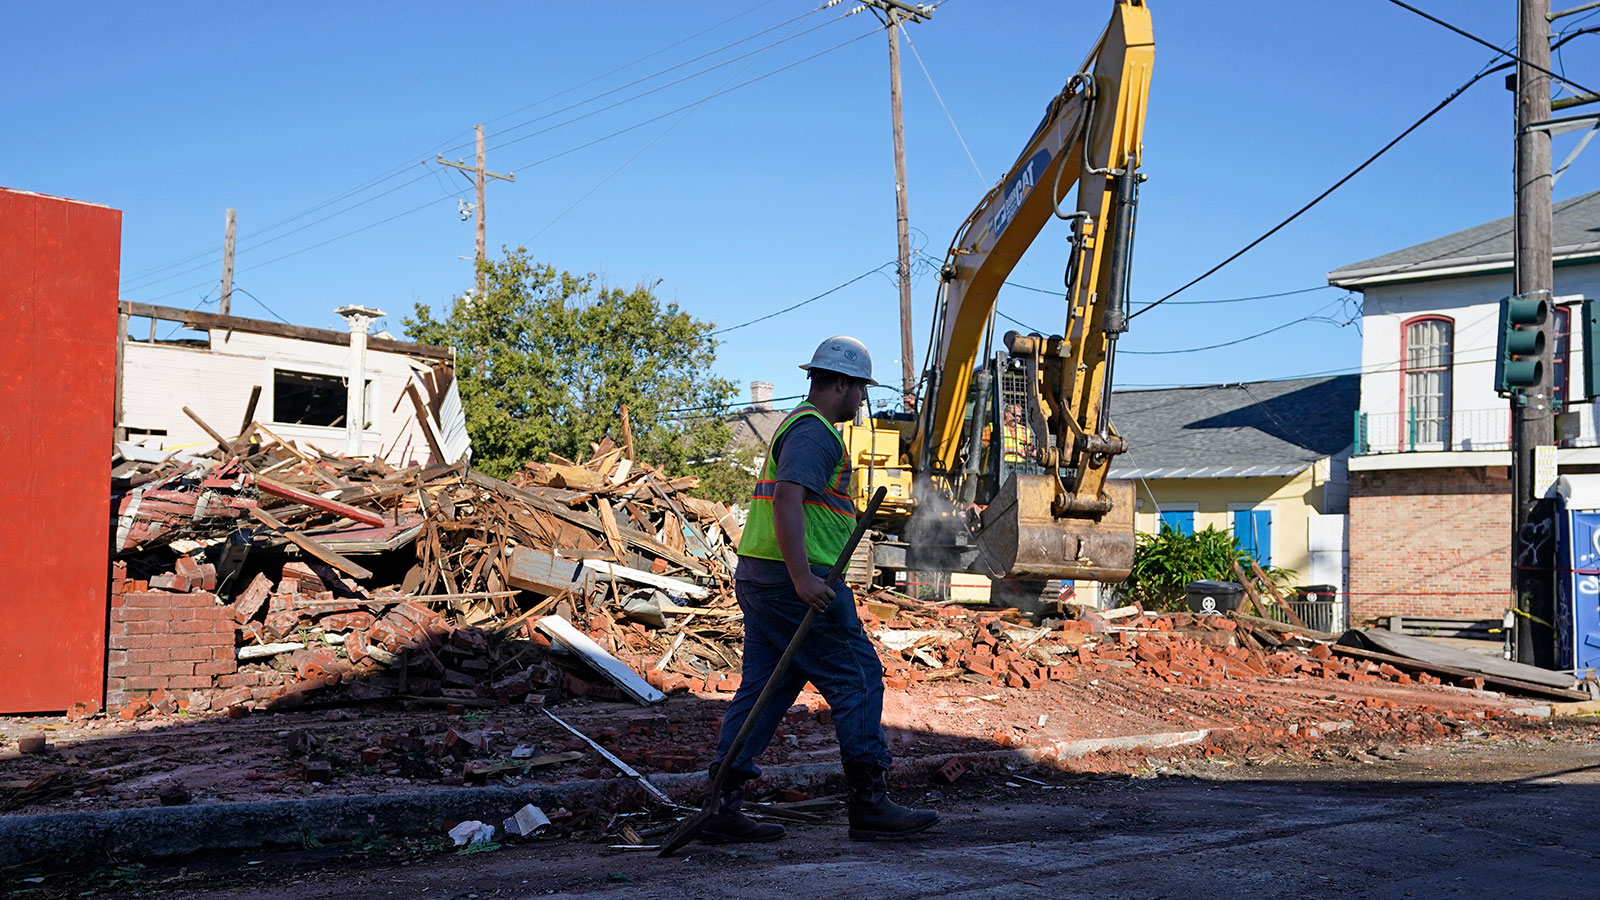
(839, 566)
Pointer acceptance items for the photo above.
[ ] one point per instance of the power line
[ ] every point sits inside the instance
(1506, 53)
(1260, 334)
(1320, 197)
(656, 53)
(669, 112)
(641, 151)
(262, 304)
(1320, 287)
(547, 159)
(400, 169)
(690, 77)
(937, 96)
(796, 306)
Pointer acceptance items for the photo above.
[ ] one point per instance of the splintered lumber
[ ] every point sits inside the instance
(629, 536)
(315, 501)
(1249, 592)
(1294, 619)
(608, 522)
(670, 585)
(312, 546)
(716, 512)
(1280, 627)
(561, 631)
(545, 573)
(224, 443)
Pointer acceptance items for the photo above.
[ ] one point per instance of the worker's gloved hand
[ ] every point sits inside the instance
(814, 591)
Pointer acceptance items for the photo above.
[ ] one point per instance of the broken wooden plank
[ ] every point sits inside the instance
(250, 409)
(545, 573)
(316, 501)
(1294, 618)
(670, 585)
(562, 632)
(1274, 625)
(716, 512)
(222, 442)
(1414, 665)
(608, 523)
(629, 536)
(312, 546)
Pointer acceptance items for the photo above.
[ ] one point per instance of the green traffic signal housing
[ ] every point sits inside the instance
(1519, 362)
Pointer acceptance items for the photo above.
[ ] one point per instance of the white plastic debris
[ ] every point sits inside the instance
(471, 832)
(522, 751)
(527, 821)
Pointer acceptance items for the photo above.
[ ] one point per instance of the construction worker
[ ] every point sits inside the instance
(1016, 438)
(801, 517)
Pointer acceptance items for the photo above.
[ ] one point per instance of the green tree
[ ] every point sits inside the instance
(1165, 563)
(546, 360)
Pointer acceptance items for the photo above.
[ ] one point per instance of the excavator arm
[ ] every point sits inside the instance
(1067, 520)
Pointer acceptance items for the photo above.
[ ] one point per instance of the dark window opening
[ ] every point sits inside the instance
(303, 398)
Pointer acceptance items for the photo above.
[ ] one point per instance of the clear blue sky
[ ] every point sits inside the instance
(773, 192)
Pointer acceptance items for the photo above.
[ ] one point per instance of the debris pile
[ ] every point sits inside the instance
(265, 571)
(923, 643)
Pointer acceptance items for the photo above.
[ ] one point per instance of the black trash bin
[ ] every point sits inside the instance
(1316, 604)
(1213, 597)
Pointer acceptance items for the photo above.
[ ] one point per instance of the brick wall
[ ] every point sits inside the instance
(165, 646)
(1430, 542)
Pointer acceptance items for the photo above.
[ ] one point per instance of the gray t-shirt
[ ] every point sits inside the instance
(807, 454)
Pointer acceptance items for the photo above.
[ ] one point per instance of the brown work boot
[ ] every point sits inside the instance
(730, 826)
(873, 816)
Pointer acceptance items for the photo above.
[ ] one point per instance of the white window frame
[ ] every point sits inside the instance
(374, 398)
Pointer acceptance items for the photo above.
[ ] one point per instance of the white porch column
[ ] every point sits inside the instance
(355, 410)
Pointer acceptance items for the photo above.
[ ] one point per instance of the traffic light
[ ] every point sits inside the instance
(1519, 363)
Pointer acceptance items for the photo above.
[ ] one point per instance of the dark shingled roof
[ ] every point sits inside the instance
(1577, 235)
(1266, 428)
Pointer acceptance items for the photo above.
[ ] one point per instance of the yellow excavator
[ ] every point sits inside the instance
(1002, 470)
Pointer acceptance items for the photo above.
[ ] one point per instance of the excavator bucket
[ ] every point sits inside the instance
(1019, 538)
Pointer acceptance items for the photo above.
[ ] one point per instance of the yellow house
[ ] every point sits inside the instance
(1263, 460)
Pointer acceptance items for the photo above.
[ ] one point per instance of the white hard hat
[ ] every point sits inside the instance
(845, 355)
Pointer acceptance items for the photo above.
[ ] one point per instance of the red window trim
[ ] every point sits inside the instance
(1562, 360)
(1449, 420)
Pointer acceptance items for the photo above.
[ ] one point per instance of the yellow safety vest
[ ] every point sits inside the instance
(1015, 441)
(829, 518)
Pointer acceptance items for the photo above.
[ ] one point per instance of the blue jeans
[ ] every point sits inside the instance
(836, 657)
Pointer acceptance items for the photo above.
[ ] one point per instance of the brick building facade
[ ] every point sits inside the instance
(1430, 542)
(1430, 500)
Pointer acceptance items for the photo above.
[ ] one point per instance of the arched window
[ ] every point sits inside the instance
(1426, 351)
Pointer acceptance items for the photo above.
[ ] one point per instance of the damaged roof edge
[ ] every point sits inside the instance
(196, 318)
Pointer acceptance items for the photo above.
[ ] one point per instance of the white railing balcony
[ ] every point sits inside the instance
(1459, 430)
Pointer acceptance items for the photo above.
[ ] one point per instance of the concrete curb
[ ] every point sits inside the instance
(180, 830)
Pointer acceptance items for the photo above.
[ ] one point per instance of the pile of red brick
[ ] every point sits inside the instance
(1175, 648)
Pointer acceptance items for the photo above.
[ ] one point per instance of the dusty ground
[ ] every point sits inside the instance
(111, 763)
(1480, 814)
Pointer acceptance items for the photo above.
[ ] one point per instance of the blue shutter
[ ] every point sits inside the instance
(1179, 520)
(1253, 528)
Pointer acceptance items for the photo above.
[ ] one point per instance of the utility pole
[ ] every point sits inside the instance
(227, 265)
(896, 12)
(1532, 416)
(480, 179)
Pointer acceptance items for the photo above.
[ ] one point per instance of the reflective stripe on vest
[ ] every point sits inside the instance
(1016, 440)
(829, 516)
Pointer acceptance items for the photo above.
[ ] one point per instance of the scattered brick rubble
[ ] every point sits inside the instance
(270, 575)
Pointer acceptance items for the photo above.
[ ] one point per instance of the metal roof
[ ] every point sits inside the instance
(1247, 429)
(1480, 249)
